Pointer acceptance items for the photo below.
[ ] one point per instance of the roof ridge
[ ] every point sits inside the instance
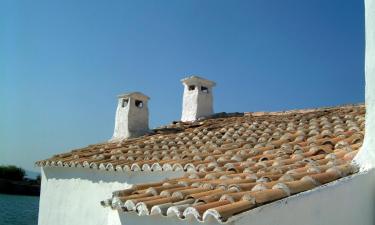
(304, 110)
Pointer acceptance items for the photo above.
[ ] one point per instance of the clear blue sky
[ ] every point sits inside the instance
(62, 63)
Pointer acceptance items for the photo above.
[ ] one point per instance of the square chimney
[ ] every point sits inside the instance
(131, 116)
(197, 99)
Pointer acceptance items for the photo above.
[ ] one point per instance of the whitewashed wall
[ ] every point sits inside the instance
(366, 157)
(71, 196)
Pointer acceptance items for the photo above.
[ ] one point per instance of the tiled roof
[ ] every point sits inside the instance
(224, 140)
(238, 163)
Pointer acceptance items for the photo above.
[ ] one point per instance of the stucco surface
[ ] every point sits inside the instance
(133, 218)
(189, 105)
(72, 195)
(366, 157)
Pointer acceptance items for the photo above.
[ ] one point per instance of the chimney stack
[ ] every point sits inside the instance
(131, 116)
(197, 99)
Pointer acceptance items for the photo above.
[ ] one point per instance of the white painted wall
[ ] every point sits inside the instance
(73, 195)
(133, 218)
(349, 201)
(366, 157)
(131, 121)
(196, 103)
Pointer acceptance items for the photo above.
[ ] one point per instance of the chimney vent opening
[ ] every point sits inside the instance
(124, 103)
(191, 87)
(204, 89)
(139, 103)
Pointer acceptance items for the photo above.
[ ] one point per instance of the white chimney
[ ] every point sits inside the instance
(198, 99)
(131, 116)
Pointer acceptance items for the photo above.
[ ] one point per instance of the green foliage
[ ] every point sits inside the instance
(11, 172)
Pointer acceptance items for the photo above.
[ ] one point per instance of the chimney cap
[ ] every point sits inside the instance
(137, 95)
(198, 80)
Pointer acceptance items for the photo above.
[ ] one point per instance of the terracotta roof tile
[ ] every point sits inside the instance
(245, 161)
